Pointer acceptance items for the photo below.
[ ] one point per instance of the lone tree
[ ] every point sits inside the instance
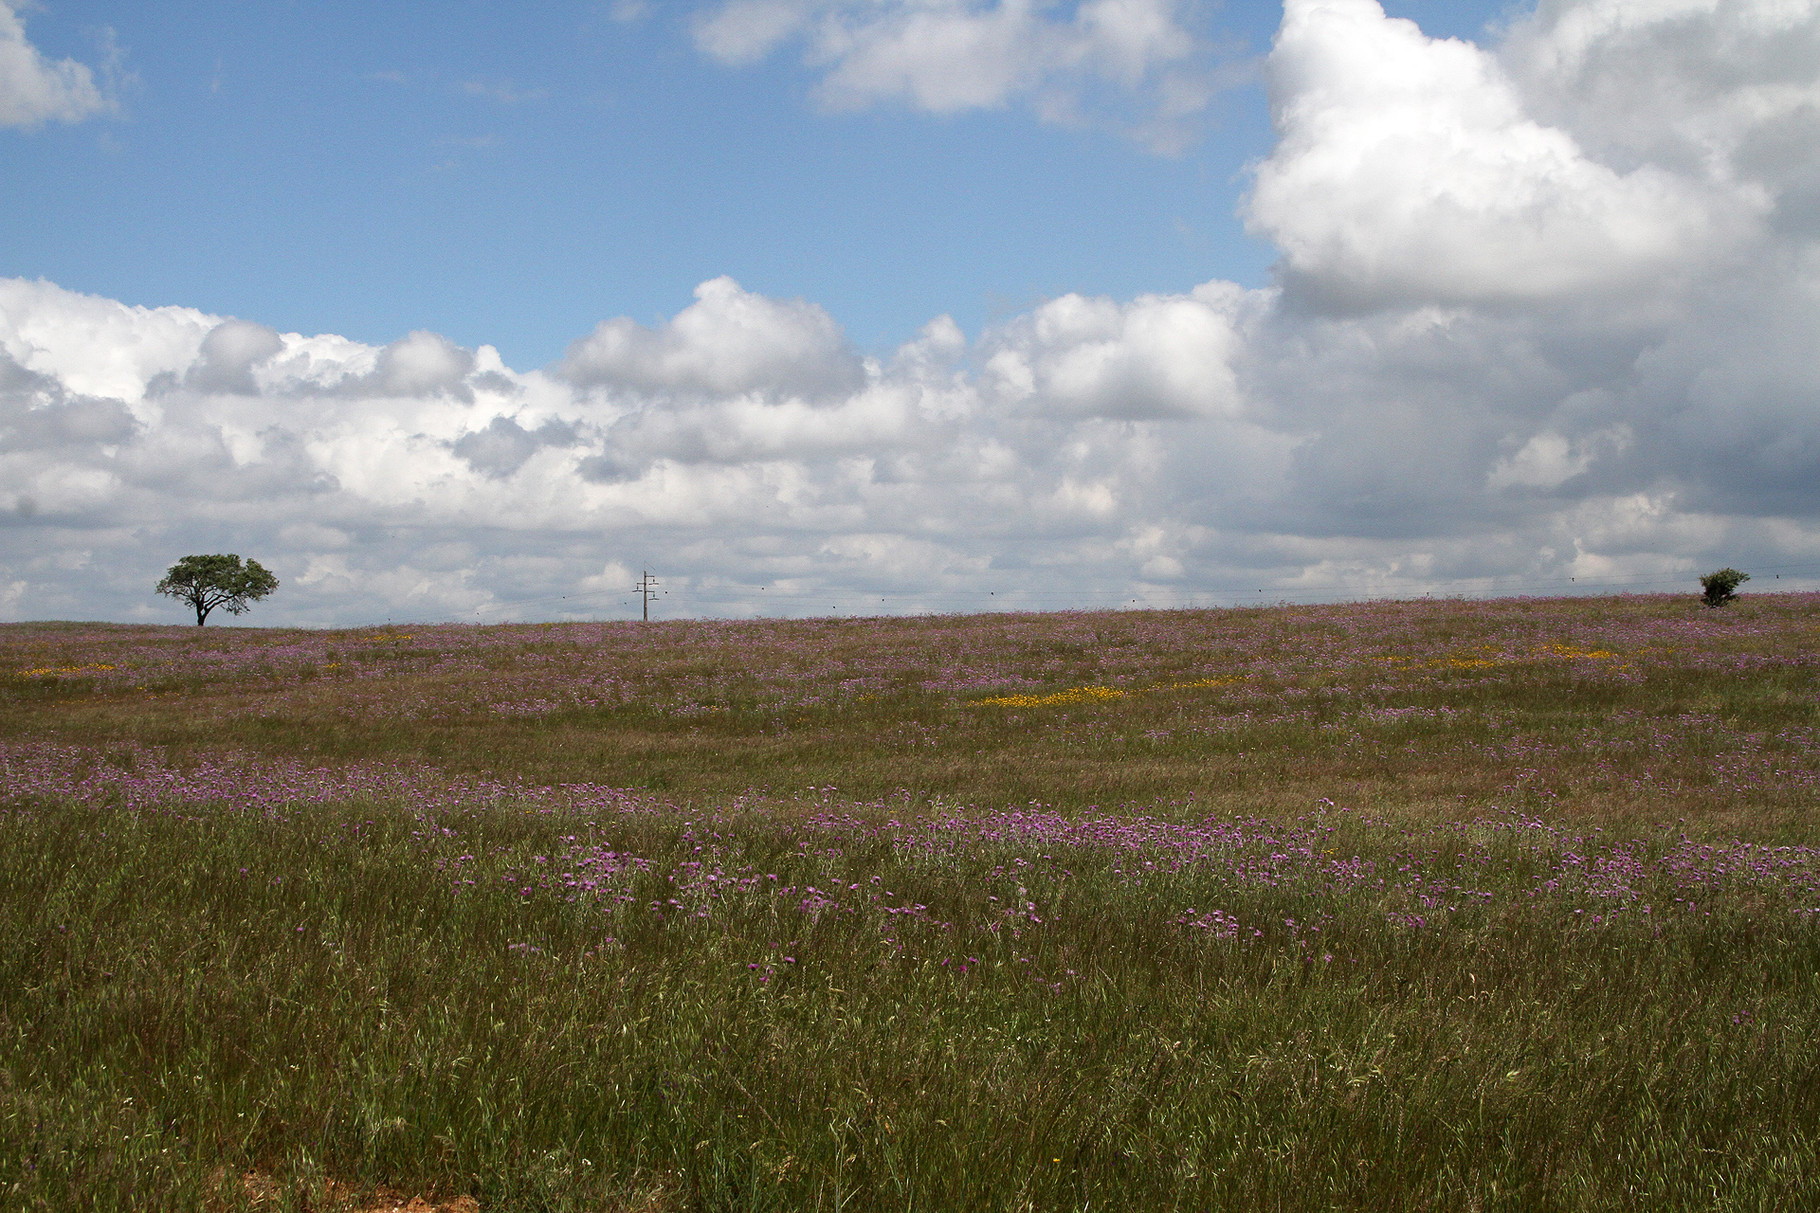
(207, 582)
(1721, 587)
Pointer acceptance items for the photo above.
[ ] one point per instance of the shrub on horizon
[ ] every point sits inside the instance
(1722, 586)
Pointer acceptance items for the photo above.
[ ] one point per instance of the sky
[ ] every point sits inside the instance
(476, 311)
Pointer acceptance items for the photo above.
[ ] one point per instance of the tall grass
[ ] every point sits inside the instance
(441, 973)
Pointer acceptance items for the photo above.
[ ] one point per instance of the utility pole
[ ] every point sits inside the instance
(647, 590)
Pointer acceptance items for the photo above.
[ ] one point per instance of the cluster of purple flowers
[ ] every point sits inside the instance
(877, 861)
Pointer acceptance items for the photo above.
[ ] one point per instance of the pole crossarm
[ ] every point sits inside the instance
(646, 589)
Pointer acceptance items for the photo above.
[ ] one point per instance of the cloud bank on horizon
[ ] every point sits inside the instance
(1544, 309)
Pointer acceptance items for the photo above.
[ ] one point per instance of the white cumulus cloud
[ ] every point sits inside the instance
(1158, 356)
(1726, 91)
(1409, 170)
(727, 342)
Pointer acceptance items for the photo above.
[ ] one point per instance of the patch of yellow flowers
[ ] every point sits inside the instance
(1462, 661)
(1078, 695)
(49, 670)
(1056, 699)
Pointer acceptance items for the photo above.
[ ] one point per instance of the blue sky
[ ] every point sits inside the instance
(512, 174)
(475, 311)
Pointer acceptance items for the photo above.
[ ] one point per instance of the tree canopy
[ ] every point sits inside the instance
(207, 582)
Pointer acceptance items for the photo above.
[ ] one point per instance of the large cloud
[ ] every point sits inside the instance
(1527, 329)
(727, 342)
(34, 90)
(1160, 356)
(1408, 169)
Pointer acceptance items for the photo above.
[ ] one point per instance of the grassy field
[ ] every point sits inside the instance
(1449, 905)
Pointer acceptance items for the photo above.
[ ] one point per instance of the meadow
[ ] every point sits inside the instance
(1416, 905)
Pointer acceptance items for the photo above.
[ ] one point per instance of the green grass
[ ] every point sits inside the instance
(1589, 1003)
(333, 1011)
(1497, 715)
